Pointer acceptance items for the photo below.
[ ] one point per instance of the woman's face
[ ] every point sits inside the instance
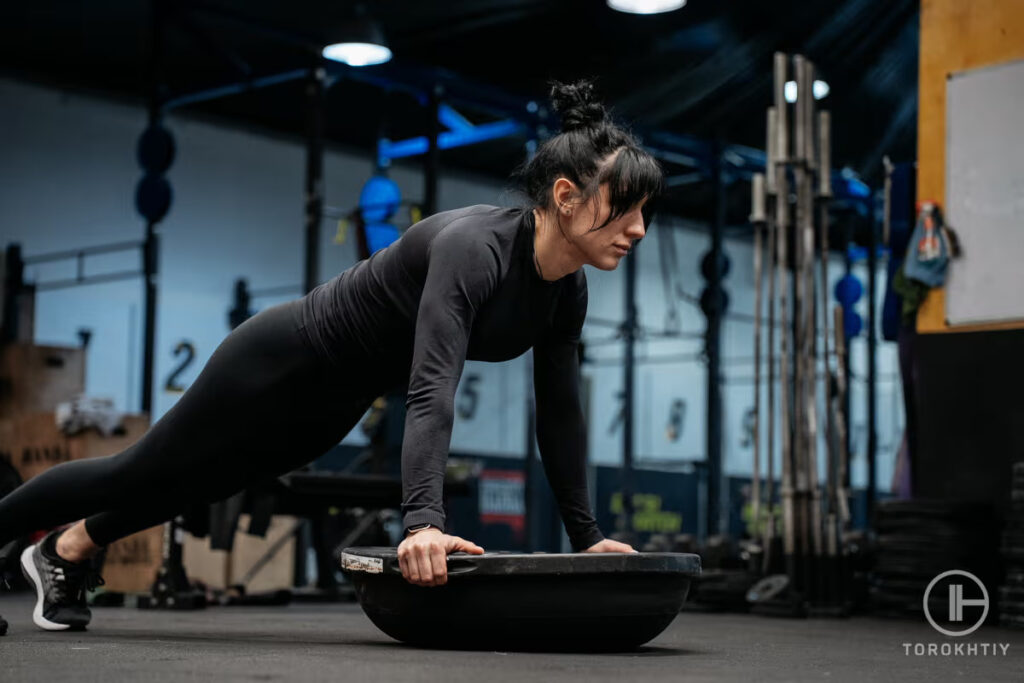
(605, 247)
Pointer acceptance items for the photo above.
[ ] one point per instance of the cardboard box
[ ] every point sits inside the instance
(220, 569)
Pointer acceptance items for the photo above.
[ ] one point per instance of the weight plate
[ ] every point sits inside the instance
(155, 150)
(1012, 553)
(1014, 579)
(768, 588)
(899, 585)
(1011, 621)
(153, 197)
(1011, 592)
(1010, 606)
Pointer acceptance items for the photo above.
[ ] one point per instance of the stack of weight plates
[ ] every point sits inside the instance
(1011, 593)
(722, 590)
(724, 583)
(918, 540)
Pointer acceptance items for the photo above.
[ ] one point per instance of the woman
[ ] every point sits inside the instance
(479, 283)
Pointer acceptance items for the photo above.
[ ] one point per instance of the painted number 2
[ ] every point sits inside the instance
(188, 349)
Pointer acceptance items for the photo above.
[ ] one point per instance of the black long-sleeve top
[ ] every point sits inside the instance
(462, 285)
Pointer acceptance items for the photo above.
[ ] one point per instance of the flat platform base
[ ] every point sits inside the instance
(315, 642)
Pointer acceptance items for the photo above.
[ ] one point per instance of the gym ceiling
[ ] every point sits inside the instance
(704, 70)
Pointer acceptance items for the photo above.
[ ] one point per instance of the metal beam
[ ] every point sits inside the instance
(314, 175)
(388, 150)
(872, 368)
(432, 162)
(237, 88)
(151, 246)
(90, 280)
(712, 349)
(85, 251)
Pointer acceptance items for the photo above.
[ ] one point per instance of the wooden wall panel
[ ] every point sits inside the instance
(956, 35)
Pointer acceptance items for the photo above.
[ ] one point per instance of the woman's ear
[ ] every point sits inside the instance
(564, 194)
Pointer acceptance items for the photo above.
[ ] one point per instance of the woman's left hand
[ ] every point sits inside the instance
(610, 546)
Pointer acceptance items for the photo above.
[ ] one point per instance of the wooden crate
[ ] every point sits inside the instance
(34, 379)
(32, 443)
(132, 562)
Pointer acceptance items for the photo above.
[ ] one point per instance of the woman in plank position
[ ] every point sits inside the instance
(478, 283)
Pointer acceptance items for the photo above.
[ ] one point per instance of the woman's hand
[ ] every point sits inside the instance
(610, 546)
(423, 556)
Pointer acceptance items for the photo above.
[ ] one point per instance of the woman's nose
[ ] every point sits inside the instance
(636, 229)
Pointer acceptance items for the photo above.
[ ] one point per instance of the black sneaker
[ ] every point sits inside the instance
(60, 586)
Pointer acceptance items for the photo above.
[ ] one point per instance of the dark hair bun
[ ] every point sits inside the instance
(575, 103)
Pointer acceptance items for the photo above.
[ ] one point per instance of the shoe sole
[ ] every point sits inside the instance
(28, 567)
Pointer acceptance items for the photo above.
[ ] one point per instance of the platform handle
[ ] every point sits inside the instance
(457, 564)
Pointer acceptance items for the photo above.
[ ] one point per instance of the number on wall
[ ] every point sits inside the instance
(188, 349)
(676, 420)
(470, 397)
(748, 426)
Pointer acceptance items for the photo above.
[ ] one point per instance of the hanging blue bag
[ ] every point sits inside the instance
(928, 252)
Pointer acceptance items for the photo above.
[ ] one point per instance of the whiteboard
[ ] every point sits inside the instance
(985, 193)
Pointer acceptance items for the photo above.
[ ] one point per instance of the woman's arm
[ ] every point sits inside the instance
(462, 273)
(561, 431)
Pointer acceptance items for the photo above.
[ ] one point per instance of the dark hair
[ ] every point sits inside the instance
(583, 153)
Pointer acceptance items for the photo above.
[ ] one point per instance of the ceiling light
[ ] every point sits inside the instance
(359, 43)
(646, 6)
(820, 90)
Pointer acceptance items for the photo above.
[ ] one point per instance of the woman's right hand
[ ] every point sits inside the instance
(423, 556)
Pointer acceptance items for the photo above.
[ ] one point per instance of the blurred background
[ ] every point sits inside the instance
(169, 168)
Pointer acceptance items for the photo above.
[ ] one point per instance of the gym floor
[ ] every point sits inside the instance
(337, 642)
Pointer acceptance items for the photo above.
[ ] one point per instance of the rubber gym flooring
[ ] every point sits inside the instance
(336, 642)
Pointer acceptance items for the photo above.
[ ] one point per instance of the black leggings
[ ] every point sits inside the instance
(265, 404)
